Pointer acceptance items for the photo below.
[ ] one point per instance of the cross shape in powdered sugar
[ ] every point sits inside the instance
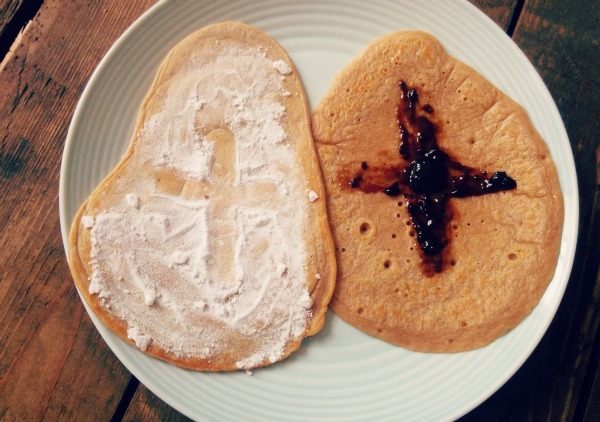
(242, 223)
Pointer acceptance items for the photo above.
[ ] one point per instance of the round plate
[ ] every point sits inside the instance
(340, 374)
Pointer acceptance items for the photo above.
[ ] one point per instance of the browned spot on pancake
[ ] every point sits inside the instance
(365, 228)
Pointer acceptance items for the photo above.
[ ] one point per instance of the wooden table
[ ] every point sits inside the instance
(53, 363)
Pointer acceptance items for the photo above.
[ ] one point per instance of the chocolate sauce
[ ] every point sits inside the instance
(393, 189)
(427, 109)
(355, 182)
(429, 180)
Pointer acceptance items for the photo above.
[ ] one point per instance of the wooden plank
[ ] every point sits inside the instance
(8, 9)
(500, 11)
(147, 407)
(561, 39)
(35, 299)
(589, 410)
(53, 364)
(14, 16)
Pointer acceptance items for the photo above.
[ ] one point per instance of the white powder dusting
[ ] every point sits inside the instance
(149, 296)
(318, 276)
(159, 261)
(96, 285)
(132, 200)
(282, 67)
(87, 221)
(281, 268)
(200, 305)
(312, 196)
(182, 149)
(142, 341)
(179, 258)
(305, 301)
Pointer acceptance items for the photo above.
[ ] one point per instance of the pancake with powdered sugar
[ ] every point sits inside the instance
(208, 245)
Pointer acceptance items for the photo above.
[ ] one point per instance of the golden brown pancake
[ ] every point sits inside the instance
(502, 247)
(208, 245)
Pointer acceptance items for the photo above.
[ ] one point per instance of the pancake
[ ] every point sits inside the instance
(398, 109)
(208, 245)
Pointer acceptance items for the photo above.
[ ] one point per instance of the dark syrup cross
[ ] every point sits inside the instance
(431, 178)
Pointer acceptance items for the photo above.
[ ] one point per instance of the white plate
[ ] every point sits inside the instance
(341, 374)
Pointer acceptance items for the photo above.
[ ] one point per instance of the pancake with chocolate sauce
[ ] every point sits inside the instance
(444, 202)
(208, 245)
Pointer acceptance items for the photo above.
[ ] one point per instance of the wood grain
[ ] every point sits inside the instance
(500, 11)
(147, 407)
(8, 9)
(46, 338)
(53, 363)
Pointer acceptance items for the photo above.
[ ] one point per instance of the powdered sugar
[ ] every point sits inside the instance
(142, 341)
(132, 200)
(282, 67)
(87, 221)
(197, 274)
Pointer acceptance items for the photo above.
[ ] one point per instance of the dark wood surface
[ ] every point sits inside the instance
(53, 363)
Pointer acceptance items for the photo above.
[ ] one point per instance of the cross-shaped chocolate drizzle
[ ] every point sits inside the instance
(431, 178)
